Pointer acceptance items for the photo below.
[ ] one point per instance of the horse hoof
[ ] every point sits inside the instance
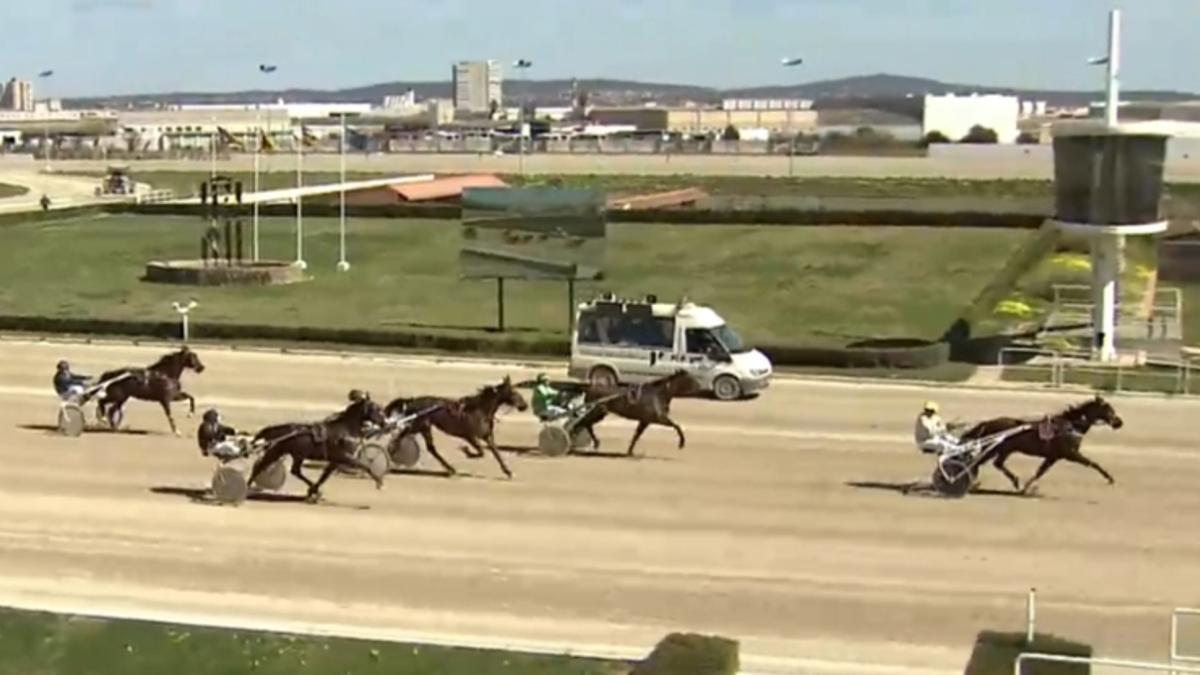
(313, 498)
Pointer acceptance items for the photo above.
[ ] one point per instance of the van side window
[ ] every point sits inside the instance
(589, 329)
(700, 341)
(626, 330)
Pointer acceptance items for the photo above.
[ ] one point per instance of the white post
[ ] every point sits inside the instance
(300, 202)
(342, 265)
(1106, 257)
(257, 152)
(1112, 89)
(1030, 616)
(183, 310)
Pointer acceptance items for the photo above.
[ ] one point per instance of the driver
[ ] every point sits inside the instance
(213, 436)
(931, 433)
(69, 385)
(546, 399)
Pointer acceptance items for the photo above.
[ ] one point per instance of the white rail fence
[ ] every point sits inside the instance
(1177, 656)
(1061, 368)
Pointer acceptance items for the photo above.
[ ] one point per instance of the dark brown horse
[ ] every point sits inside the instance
(1054, 438)
(333, 441)
(471, 418)
(159, 382)
(646, 404)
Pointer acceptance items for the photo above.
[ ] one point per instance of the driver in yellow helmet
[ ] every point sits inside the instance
(931, 433)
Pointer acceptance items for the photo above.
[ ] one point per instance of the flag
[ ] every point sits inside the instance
(227, 139)
(265, 141)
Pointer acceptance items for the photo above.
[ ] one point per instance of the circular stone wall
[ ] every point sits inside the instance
(197, 273)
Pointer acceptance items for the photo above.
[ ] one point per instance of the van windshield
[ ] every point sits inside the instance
(730, 339)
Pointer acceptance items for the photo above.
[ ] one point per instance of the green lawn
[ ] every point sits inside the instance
(7, 190)
(796, 285)
(48, 644)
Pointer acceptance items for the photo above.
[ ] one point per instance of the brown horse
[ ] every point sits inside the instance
(1054, 438)
(646, 404)
(160, 382)
(471, 418)
(333, 441)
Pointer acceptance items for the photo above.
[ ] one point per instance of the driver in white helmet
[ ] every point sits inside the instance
(931, 433)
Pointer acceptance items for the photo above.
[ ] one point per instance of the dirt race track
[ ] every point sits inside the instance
(754, 530)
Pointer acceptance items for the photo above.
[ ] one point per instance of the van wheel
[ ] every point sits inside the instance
(603, 376)
(727, 388)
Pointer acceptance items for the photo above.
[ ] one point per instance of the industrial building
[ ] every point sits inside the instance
(17, 95)
(477, 85)
(766, 104)
(706, 120)
(953, 116)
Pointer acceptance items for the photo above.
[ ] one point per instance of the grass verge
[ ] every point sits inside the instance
(811, 286)
(7, 190)
(37, 642)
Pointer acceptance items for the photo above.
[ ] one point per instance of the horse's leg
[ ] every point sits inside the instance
(427, 434)
(592, 434)
(998, 462)
(1041, 471)
(269, 457)
(314, 489)
(166, 406)
(641, 428)
(297, 465)
(348, 459)
(495, 453)
(1078, 458)
(668, 422)
(184, 396)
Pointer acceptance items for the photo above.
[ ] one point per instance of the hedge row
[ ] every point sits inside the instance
(776, 216)
(922, 355)
(21, 217)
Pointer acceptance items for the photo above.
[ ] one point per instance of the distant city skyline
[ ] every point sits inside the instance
(112, 47)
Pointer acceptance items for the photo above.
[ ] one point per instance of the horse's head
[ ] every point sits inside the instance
(509, 396)
(681, 383)
(189, 359)
(1100, 410)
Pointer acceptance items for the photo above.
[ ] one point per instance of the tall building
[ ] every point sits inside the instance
(477, 84)
(18, 95)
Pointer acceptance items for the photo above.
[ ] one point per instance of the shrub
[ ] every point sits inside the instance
(980, 134)
(691, 654)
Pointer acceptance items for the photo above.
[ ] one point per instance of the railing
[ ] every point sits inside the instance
(1061, 368)
(1096, 661)
(1176, 655)
(154, 197)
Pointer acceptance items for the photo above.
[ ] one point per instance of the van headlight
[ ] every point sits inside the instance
(760, 372)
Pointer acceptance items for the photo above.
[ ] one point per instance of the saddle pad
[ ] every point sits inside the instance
(1045, 429)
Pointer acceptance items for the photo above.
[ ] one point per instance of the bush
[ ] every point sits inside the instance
(980, 134)
(995, 654)
(691, 654)
(731, 134)
(934, 137)
(891, 354)
(1028, 138)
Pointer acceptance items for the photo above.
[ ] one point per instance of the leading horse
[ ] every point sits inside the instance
(646, 404)
(471, 418)
(159, 382)
(333, 441)
(1057, 437)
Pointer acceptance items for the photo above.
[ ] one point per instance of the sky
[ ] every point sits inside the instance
(98, 47)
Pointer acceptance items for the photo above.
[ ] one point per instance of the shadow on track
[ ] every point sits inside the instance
(911, 488)
(202, 496)
(53, 430)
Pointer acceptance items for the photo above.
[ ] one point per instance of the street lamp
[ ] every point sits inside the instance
(183, 310)
(343, 265)
(1113, 62)
(266, 70)
(791, 62)
(45, 76)
(522, 65)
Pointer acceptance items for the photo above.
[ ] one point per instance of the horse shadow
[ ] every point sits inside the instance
(535, 453)
(53, 429)
(203, 497)
(918, 489)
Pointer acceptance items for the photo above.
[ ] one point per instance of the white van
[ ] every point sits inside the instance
(618, 340)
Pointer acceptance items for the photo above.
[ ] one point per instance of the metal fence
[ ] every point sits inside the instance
(1056, 369)
(1106, 663)
(1178, 656)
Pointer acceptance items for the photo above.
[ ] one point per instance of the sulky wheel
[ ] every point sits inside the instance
(580, 440)
(273, 477)
(405, 451)
(953, 477)
(375, 457)
(554, 441)
(229, 483)
(71, 420)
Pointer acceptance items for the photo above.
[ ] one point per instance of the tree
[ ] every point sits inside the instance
(980, 134)
(731, 134)
(934, 136)
(1028, 138)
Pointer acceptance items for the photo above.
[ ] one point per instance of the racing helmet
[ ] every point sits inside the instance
(211, 416)
(63, 365)
(931, 407)
(542, 378)
(356, 395)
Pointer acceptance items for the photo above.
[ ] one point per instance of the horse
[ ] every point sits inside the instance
(1054, 438)
(646, 404)
(333, 441)
(471, 418)
(160, 382)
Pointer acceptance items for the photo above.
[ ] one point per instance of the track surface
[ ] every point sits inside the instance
(754, 530)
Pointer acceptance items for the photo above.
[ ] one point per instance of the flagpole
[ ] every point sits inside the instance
(257, 151)
(342, 265)
(300, 201)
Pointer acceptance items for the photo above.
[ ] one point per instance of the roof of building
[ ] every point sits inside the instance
(443, 188)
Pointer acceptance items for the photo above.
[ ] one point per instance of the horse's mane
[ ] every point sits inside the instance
(1076, 408)
(162, 360)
